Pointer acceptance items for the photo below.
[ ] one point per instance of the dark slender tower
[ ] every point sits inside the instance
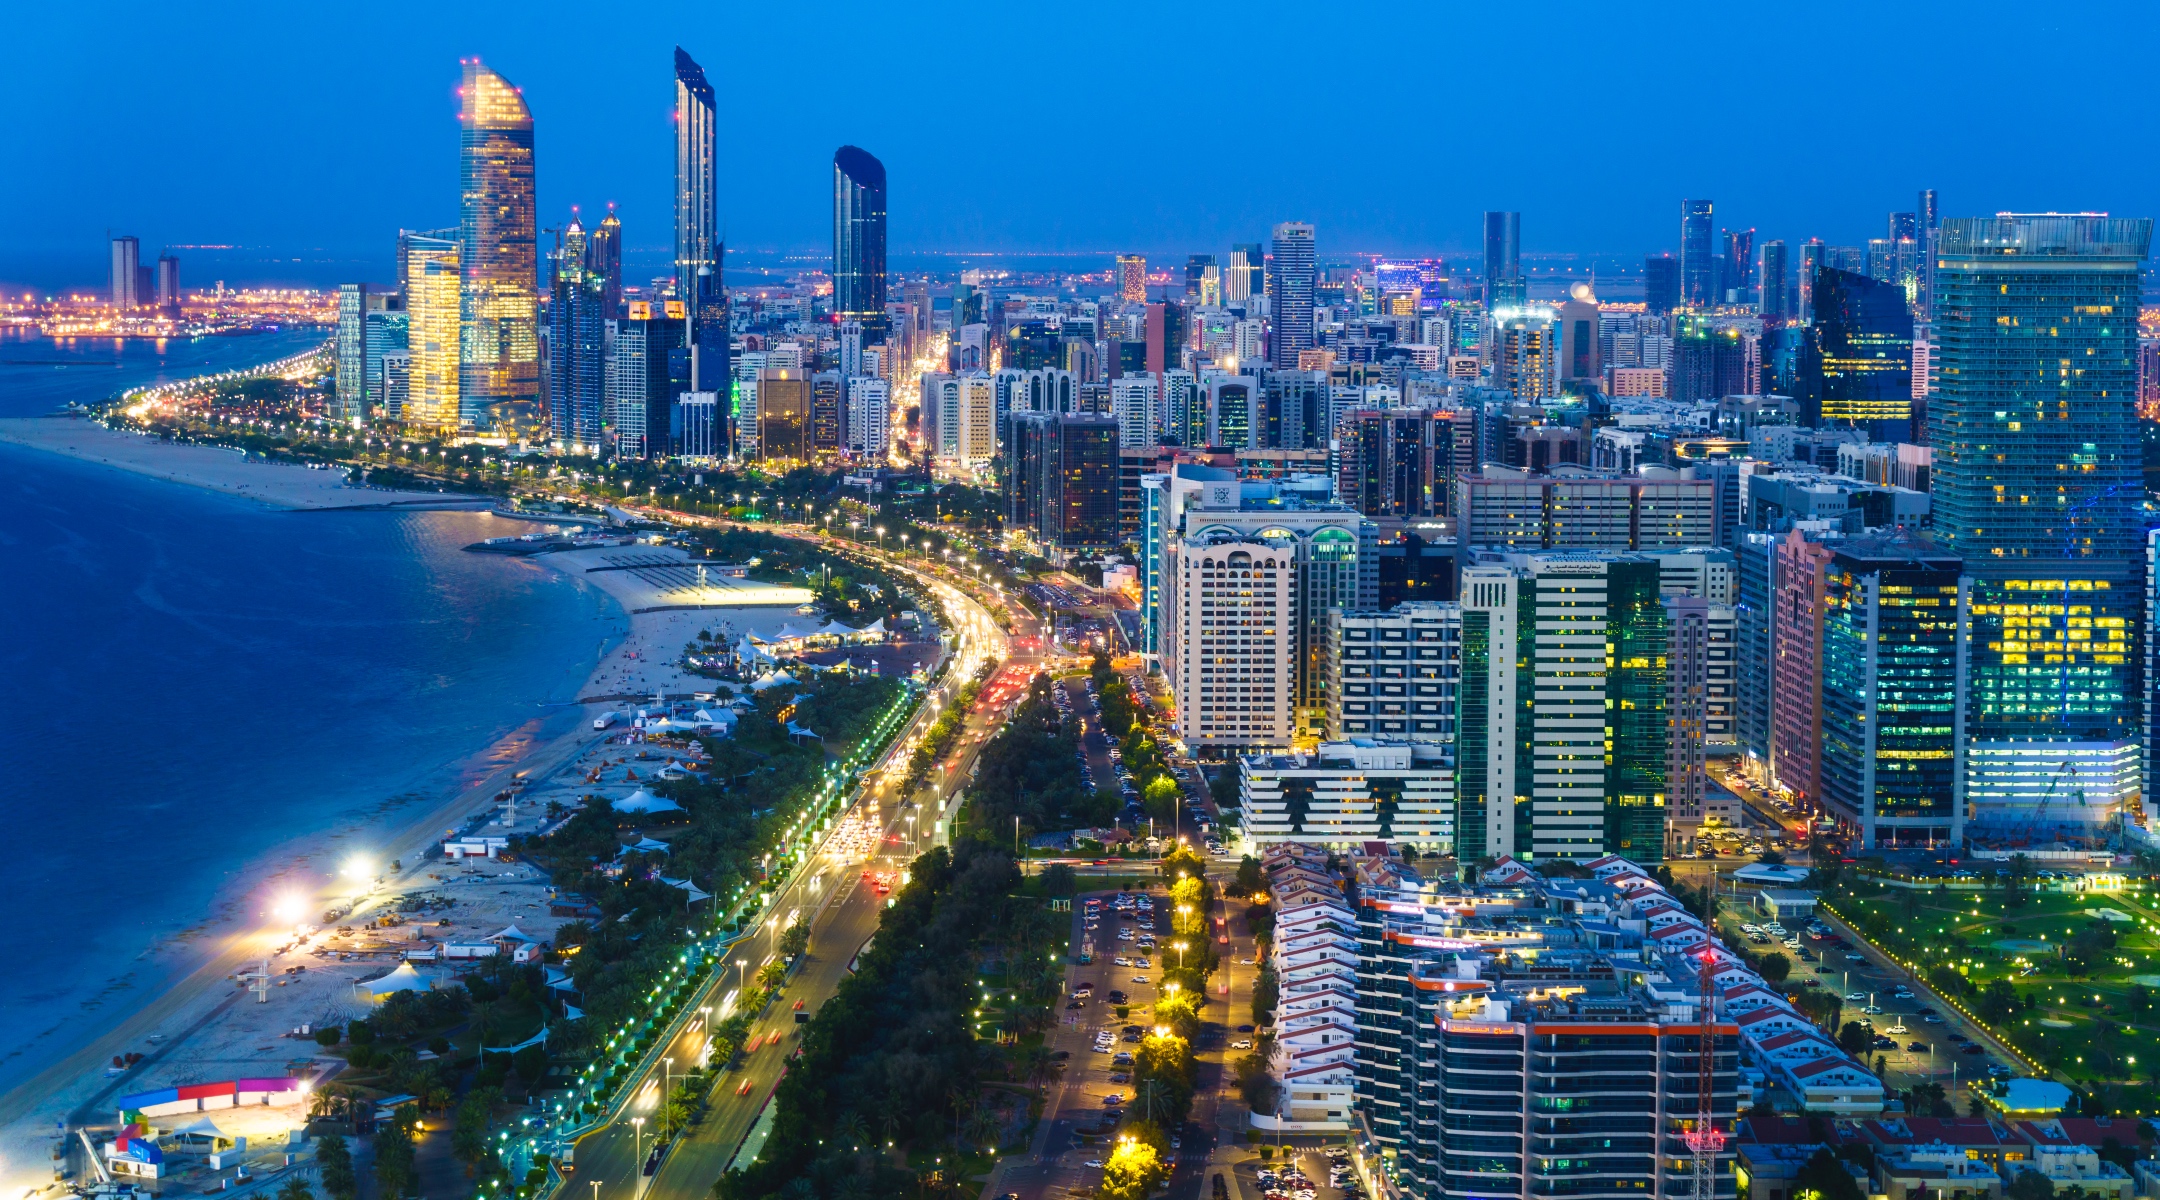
(1698, 270)
(603, 259)
(697, 272)
(1503, 260)
(859, 239)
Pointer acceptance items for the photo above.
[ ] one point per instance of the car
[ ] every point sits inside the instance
(1139, 979)
(1873, 1010)
(1133, 1029)
(1917, 1047)
(1241, 1044)
(1855, 997)
(1931, 1018)
(1062, 1055)
(1113, 1099)
(1244, 1029)
(1073, 1005)
(1116, 996)
(1974, 1048)
(1094, 1162)
(1884, 1043)
(1122, 1058)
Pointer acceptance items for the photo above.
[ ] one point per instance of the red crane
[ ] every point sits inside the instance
(1704, 1139)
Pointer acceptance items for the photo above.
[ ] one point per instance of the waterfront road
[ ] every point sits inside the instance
(842, 912)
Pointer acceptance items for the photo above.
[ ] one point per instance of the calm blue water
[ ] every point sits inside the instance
(38, 375)
(189, 680)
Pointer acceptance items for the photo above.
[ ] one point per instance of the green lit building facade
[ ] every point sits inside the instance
(1893, 667)
(1564, 738)
(2037, 474)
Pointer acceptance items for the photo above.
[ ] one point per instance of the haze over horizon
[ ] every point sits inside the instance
(291, 135)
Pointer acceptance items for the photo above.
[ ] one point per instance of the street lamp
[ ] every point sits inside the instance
(637, 1134)
(667, 1089)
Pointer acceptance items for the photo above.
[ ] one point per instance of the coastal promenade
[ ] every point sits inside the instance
(845, 916)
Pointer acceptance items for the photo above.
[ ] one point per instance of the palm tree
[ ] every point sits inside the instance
(1154, 1101)
(985, 1126)
(851, 1128)
(296, 1188)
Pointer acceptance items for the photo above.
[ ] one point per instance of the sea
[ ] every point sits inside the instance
(191, 682)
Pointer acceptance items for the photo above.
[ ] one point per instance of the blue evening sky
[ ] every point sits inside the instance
(314, 131)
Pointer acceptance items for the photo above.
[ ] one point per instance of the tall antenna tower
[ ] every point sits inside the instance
(1704, 1140)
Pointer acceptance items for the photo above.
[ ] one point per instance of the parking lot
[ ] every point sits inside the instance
(1916, 1040)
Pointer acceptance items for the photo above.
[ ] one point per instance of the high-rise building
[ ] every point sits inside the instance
(1200, 271)
(577, 346)
(1132, 278)
(1564, 729)
(1855, 359)
(783, 416)
(1524, 355)
(859, 238)
(869, 413)
(1698, 266)
(350, 376)
(625, 374)
(1812, 260)
(434, 289)
(168, 285)
(125, 290)
(499, 311)
(1394, 674)
(1893, 666)
(697, 184)
(1245, 643)
(1661, 283)
(1504, 286)
(1577, 322)
(828, 423)
(699, 431)
(388, 331)
(603, 260)
(1232, 405)
(1062, 480)
(1801, 568)
(1136, 401)
(1291, 283)
(1401, 463)
(2036, 474)
(1736, 272)
(1775, 302)
(1930, 226)
(1243, 279)
(1498, 507)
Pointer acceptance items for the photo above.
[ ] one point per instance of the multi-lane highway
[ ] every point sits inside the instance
(842, 912)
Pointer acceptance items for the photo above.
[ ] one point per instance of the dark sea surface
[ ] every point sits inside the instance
(190, 681)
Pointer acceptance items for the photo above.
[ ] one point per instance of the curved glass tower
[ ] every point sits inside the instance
(499, 303)
(697, 265)
(859, 238)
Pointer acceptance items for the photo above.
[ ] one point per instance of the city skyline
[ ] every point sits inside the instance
(607, 136)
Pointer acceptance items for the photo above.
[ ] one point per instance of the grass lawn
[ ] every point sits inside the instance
(2071, 979)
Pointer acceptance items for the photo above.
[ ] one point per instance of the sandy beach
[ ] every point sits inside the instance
(280, 485)
(203, 1024)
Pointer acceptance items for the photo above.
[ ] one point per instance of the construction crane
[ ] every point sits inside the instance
(1703, 1138)
(2036, 822)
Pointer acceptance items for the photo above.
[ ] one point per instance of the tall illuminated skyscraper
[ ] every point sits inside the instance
(603, 258)
(697, 181)
(1291, 279)
(1698, 267)
(433, 286)
(1243, 278)
(2037, 477)
(859, 238)
(1132, 278)
(126, 274)
(499, 311)
(1504, 287)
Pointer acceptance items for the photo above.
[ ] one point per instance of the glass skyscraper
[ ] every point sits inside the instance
(859, 239)
(697, 266)
(1892, 662)
(1856, 361)
(2036, 477)
(1698, 267)
(1504, 287)
(1290, 286)
(499, 303)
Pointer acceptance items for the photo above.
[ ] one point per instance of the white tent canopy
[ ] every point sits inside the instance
(696, 894)
(404, 979)
(512, 934)
(645, 846)
(642, 801)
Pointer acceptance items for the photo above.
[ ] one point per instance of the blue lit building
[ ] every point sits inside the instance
(2037, 472)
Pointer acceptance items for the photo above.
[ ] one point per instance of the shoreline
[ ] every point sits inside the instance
(185, 1007)
(212, 468)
